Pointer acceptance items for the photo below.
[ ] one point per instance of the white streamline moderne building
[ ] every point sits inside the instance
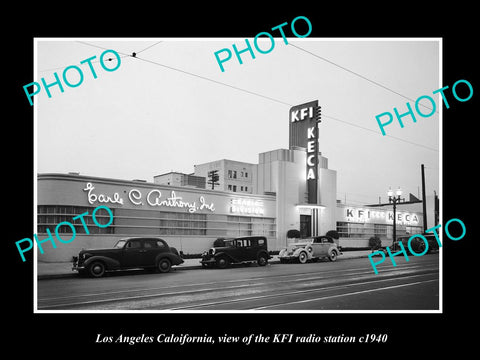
(285, 190)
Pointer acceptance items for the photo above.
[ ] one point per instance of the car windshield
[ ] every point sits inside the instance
(299, 241)
(120, 244)
(229, 243)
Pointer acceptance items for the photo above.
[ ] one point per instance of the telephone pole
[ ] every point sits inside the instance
(424, 201)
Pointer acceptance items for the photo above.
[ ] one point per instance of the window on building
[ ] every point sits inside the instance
(48, 216)
(246, 188)
(234, 174)
(234, 188)
(248, 226)
(246, 174)
(230, 174)
(230, 187)
(241, 188)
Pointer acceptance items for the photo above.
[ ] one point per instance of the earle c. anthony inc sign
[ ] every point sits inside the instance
(153, 197)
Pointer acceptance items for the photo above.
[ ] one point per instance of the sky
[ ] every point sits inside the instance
(168, 109)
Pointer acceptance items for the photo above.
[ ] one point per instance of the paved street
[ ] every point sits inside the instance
(342, 285)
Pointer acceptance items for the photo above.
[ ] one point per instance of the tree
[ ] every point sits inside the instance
(375, 243)
(219, 242)
(293, 234)
(333, 234)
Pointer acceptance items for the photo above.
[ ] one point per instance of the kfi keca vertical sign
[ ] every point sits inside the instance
(303, 132)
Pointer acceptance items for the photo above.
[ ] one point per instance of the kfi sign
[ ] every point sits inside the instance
(303, 131)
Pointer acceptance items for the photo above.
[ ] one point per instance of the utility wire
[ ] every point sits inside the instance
(282, 102)
(359, 75)
(100, 47)
(376, 132)
(260, 95)
(138, 52)
(214, 81)
(63, 67)
(93, 62)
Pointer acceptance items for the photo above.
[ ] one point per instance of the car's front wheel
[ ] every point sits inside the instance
(222, 262)
(302, 257)
(164, 265)
(96, 269)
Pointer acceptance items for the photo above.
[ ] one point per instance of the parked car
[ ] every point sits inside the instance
(417, 244)
(310, 249)
(238, 250)
(128, 253)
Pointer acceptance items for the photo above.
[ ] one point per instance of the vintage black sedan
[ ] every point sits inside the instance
(128, 253)
(245, 249)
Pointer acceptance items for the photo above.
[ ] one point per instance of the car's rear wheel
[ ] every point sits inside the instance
(302, 257)
(164, 265)
(333, 256)
(262, 260)
(96, 269)
(222, 262)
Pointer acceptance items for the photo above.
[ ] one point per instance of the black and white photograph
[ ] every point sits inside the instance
(204, 182)
(203, 173)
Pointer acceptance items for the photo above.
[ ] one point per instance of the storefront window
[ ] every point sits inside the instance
(365, 230)
(49, 216)
(248, 226)
(140, 222)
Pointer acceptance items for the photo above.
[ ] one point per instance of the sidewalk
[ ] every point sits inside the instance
(57, 270)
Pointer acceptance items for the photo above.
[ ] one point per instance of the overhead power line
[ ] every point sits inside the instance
(282, 102)
(214, 81)
(148, 47)
(260, 95)
(359, 75)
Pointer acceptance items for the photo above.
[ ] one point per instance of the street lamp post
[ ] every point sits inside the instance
(394, 200)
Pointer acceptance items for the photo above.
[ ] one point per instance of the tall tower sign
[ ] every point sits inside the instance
(303, 131)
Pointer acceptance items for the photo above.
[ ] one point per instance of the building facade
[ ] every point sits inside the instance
(234, 176)
(287, 189)
(179, 179)
(357, 224)
(188, 219)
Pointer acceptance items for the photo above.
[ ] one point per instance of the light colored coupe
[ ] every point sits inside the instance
(313, 249)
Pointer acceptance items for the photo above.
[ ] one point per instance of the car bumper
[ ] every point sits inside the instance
(288, 257)
(77, 268)
(208, 261)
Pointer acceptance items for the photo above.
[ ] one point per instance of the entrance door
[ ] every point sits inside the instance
(305, 226)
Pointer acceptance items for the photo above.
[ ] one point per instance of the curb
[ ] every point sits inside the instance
(178, 267)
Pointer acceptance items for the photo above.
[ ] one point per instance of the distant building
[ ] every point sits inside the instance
(180, 179)
(234, 176)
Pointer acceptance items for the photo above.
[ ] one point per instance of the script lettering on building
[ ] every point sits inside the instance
(153, 198)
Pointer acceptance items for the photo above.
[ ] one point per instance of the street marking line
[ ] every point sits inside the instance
(367, 271)
(126, 298)
(292, 293)
(190, 292)
(346, 294)
(187, 292)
